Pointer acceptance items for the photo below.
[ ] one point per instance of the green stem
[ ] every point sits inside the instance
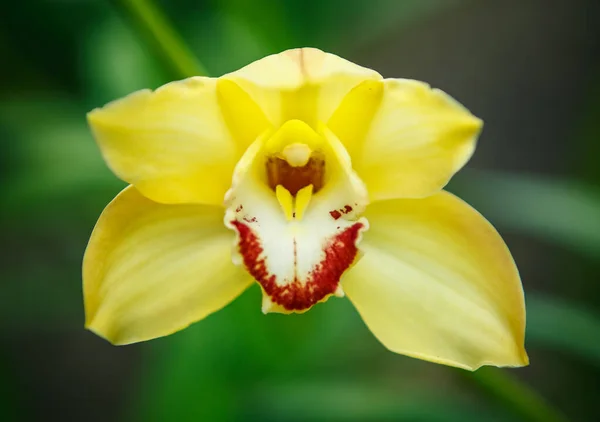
(515, 395)
(155, 27)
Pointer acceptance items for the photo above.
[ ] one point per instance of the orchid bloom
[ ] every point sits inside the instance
(313, 177)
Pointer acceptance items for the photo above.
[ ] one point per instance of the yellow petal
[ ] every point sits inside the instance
(406, 140)
(305, 84)
(437, 282)
(152, 269)
(169, 142)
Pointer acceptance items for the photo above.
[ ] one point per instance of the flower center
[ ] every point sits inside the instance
(298, 168)
(295, 204)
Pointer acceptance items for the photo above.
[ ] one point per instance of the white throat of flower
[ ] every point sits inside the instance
(295, 204)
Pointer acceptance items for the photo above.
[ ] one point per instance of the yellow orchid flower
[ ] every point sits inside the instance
(314, 177)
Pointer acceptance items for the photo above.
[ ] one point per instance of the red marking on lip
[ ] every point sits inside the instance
(335, 214)
(321, 282)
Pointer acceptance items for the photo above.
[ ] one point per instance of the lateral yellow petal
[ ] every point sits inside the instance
(304, 83)
(152, 269)
(436, 282)
(169, 142)
(410, 139)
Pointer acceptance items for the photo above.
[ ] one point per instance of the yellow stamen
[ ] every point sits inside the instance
(286, 201)
(303, 198)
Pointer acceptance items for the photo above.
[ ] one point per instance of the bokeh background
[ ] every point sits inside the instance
(529, 68)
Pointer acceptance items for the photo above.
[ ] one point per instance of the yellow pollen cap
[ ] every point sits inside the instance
(297, 155)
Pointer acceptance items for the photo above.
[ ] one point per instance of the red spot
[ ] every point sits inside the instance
(239, 208)
(250, 220)
(321, 282)
(335, 214)
(347, 209)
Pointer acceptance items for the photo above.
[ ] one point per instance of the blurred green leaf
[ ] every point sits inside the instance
(115, 64)
(56, 156)
(556, 324)
(226, 41)
(223, 353)
(195, 374)
(269, 21)
(515, 395)
(362, 400)
(561, 211)
(158, 32)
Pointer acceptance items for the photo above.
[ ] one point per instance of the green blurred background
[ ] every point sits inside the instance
(529, 68)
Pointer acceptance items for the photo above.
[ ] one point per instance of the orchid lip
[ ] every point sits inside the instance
(296, 212)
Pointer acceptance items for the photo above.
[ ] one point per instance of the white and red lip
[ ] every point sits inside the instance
(297, 219)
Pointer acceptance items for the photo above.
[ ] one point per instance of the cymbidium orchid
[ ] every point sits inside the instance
(313, 177)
